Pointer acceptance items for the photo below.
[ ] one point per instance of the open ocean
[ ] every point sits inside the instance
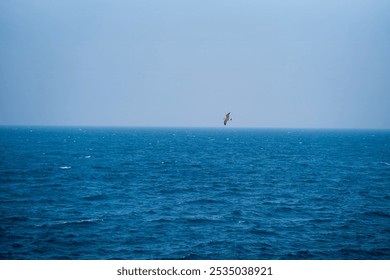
(178, 193)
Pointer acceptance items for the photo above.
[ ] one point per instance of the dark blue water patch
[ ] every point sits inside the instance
(378, 214)
(101, 193)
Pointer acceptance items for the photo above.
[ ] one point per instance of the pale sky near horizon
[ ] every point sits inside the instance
(281, 63)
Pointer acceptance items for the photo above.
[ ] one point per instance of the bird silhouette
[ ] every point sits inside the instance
(227, 118)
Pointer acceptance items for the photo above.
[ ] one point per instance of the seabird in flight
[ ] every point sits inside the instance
(227, 118)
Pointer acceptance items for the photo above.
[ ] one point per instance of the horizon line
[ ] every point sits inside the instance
(186, 127)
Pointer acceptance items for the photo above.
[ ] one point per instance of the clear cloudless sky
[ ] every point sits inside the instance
(275, 63)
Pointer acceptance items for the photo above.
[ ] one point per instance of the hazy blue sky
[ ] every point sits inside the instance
(276, 63)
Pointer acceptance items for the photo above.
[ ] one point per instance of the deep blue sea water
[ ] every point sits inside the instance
(144, 193)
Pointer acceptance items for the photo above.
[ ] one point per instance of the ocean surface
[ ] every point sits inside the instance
(178, 193)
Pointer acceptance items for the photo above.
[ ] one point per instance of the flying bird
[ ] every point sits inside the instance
(227, 118)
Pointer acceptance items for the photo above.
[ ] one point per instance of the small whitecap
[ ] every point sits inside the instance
(87, 157)
(65, 167)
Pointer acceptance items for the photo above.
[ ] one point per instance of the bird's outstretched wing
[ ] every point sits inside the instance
(227, 117)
